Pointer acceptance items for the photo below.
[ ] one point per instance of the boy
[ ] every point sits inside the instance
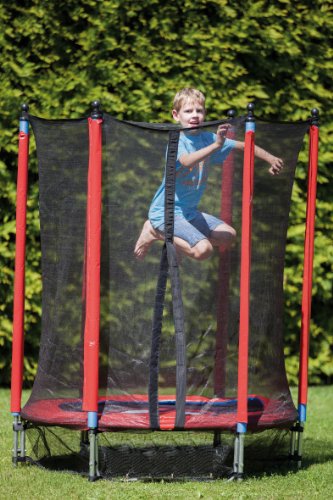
(195, 233)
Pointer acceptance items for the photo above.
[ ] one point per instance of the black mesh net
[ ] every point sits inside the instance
(146, 455)
(133, 166)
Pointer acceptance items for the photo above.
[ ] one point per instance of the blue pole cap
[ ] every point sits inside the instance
(302, 413)
(250, 127)
(241, 427)
(24, 126)
(92, 419)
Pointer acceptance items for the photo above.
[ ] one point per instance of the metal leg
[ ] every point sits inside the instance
(292, 442)
(300, 445)
(236, 454)
(93, 455)
(296, 443)
(23, 444)
(84, 437)
(84, 442)
(217, 439)
(15, 444)
(238, 468)
(18, 441)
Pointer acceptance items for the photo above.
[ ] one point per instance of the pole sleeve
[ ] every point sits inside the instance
(308, 263)
(92, 319)
(244, 326)
(19, 279)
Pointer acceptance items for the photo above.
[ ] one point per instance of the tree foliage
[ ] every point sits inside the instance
(60, 55)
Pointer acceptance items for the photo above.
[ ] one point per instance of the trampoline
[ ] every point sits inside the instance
(162, 344)
(123, 413)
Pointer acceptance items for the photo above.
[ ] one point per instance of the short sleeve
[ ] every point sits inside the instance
(182, 147)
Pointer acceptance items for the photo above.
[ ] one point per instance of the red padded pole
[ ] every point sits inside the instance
(19, 279)
(244, 326)
(93, 250)
(308, 259)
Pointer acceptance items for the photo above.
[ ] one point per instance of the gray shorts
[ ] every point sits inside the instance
(194, 230)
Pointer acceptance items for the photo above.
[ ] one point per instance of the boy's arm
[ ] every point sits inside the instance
(191, 159)
(276, 164)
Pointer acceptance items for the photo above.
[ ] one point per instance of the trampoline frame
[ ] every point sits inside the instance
(91, 335)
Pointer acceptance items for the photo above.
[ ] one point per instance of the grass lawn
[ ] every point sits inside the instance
(314, 480)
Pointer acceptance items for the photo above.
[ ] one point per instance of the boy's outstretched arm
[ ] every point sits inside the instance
(276, 164)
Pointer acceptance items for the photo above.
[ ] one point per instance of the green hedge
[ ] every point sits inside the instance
(60, 55)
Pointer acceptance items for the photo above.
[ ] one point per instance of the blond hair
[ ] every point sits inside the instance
(188, 94)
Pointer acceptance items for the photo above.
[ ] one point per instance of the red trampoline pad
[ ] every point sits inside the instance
(124, 412)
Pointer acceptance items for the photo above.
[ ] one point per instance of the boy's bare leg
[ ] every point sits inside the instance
(223, 236)
(201, 251)
(147, 237)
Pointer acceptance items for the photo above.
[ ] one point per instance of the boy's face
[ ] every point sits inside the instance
(191, 114)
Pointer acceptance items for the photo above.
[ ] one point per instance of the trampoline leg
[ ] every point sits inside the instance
(19, 441)
(93, 455)
(238, 468)
(16, 439)
(292, 442)
(84, 441)
(296, 444)
(23, 443)
(217, 439)
(300, 445)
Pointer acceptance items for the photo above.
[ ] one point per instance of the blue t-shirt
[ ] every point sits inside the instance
(190, 182)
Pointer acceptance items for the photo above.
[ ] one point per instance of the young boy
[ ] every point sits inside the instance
(195, 233)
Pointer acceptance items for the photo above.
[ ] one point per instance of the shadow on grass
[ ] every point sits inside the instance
(184, 463)
(171, 456)
(314, 452)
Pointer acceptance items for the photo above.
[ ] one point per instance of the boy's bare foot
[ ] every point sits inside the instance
(146, 239)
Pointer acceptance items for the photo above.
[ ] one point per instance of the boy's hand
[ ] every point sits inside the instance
(276, 165)
(221, 133)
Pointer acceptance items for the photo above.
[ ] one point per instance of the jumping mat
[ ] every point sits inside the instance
(122, 412)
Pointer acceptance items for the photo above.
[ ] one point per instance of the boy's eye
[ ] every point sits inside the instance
(199, 110)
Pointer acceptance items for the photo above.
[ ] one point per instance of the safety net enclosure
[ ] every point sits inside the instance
(170, 328)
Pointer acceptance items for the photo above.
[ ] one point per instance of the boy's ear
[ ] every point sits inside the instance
(175, 115)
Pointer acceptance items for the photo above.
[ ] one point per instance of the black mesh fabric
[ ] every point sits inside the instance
(134, 157)
(62, 159)
(170, 456)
